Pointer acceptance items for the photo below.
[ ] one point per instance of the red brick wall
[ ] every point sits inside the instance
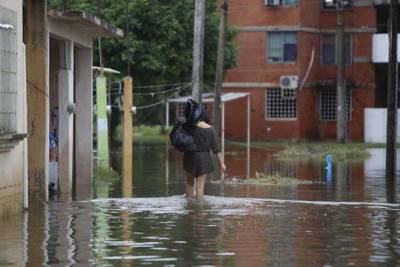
(254, 68)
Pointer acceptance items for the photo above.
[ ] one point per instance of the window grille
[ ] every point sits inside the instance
(8, 71)
(281, 104)
(180, 114)
(282, 47)
(328, 104)
(180, 111)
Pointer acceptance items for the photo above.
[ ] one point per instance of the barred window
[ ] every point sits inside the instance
(281, 103)
(8, 71)
(328, 103)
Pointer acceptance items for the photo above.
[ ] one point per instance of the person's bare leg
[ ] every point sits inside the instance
(189, 185)
(200, 182)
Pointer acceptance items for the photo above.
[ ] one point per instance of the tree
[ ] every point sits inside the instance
(158, 40)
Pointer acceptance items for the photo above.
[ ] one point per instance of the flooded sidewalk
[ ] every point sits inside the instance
(342, 221)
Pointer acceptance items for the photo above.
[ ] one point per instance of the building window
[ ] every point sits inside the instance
(281, 103)
(281, 2)
(282, 47)
(8, 72)
(328, 103)
(328, 49)
(289, 2)
(333, 4)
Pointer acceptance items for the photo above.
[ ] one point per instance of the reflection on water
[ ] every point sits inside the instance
(217, 231)
(337, 222)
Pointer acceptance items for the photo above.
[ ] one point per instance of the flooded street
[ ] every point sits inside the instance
(343, 220)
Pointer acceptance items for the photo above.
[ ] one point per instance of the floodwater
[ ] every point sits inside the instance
(343, 220)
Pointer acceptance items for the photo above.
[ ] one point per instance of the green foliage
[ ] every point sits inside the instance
(158, 43)
(274, 179)
(158, 38)
(144, 134)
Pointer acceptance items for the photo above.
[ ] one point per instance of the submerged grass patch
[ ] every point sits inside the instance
(105, 174)
(145, 134)
(267, 179)
(318, 151)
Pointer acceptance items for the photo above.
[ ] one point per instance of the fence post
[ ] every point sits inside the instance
(127, 139)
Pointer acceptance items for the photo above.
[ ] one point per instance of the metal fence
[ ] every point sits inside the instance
(8, 71)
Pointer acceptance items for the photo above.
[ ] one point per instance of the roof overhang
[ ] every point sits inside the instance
(86, 22)
(209, 97)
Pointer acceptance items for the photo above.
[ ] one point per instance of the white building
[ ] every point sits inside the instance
(13, 149)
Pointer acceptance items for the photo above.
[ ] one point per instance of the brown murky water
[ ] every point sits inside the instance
(344, 220)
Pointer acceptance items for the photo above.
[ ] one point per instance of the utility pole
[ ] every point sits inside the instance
(391, 134)
(219, 76)
(341, 120)
(198, 50)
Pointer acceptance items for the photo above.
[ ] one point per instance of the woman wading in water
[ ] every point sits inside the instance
(198, 164)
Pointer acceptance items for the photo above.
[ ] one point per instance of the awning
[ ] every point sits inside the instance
(209, 97)
(86, 22)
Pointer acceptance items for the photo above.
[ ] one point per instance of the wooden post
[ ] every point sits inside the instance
(219, 76)
(127, 140)
(198, 50)
(223, 137)
(341, 87)
(248, 134)
(391, 137)
(36, 40)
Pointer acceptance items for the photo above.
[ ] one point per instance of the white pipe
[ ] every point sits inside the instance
(248, 136)
(223, 137)
(310, 64)
(25, 130)
(167, 114)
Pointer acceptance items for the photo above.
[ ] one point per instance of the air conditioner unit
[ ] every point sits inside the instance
(272, 2)
(289, 82)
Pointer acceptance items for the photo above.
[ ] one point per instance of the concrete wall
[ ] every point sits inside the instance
(74, 84)
(254, 20)
(11, 163)
(64, 31)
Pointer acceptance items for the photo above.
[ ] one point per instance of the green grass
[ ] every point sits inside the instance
(267, 179)
(145, 134)
(318, 151)
(105, 174)
(292, 151)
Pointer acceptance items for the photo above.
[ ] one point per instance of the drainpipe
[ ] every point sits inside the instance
(25, 130)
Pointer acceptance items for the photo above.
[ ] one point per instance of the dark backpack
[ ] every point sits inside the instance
(181, 137)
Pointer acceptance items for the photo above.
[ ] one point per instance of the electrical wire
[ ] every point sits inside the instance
(161, 101)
